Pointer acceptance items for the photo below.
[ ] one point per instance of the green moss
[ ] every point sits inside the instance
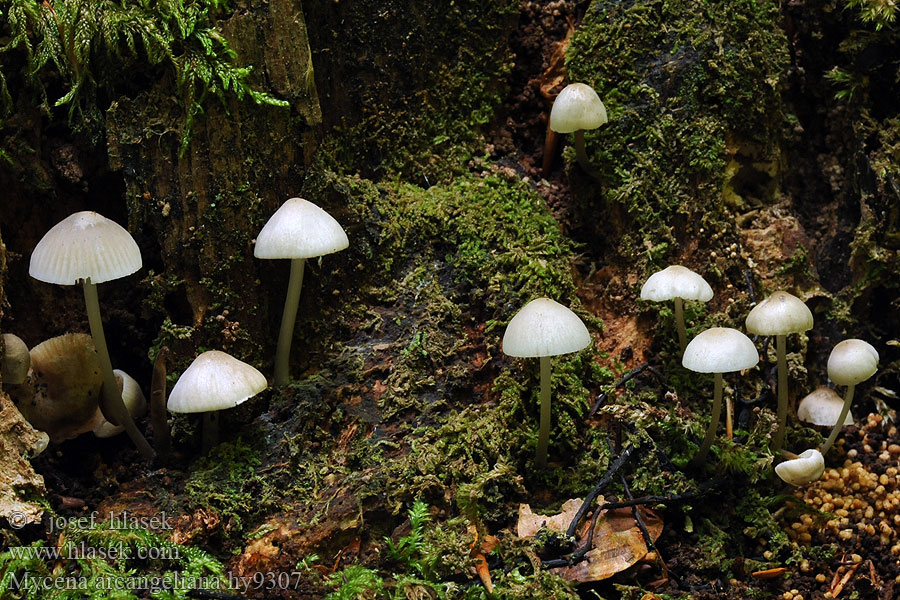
(100, 562)
(686, 82)
(429, 132)
(226, 481)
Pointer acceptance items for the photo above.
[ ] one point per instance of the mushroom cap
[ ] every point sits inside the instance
(15, 361)
(134, 401)
(577, 107)
(63, 391)
(804, 469)
(822, 407)
(851, 362)
(215, 381)
(84, 245)
(779, 314)
(299, 229)
(544, 328)
(676, 282)
(720, 350)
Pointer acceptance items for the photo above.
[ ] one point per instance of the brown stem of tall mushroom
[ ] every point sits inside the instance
(551, 141)
(111, 403)
(162, 439)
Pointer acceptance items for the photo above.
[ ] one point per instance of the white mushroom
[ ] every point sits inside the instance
(15, 361)
(298, 230)
(804, 469)
(822, 407)
(779, 315)
(718, 350)
(88, 248)
(544, 328)
(677, 283)
(850, 362)
(134, 400)
(214, 381)
(576, 108)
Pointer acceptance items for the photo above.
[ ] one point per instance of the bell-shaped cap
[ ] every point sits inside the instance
(822, 407)
(851, 362)
(544, 328)
(577, 107)
(676, 282)
(84, 245)
(300, 229)
(15, 361)
(779, 314)
(215, 381)
(720, 350)
(804, 469)
(134, 401)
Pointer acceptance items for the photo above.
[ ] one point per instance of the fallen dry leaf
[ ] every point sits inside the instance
(617, 542)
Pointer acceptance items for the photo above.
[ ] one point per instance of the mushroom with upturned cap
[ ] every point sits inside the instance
(576, 108)
(15, 361)
(298, 230)
(544, 328)
(214, 381)
(780, 314)
(62, 392)
(88, 248)
(679, 284)
(822, 407)
(850, 362)
(802, 469)
(718, 350)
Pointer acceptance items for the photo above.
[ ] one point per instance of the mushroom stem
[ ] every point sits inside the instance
(111, 403)
(551, 141)
(161, 437)
(210, 435)
(848, 399)
(582, 156)
(544, 434)
(781, 355)
(288, 318)
(713, 423)
(679, 324)
(729, 418)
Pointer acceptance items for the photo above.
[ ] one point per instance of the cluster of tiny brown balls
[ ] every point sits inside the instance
(860, 499)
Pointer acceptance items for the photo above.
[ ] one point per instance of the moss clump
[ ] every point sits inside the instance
(448, 62)
(226, 481)
(100, 562)
(686, 83)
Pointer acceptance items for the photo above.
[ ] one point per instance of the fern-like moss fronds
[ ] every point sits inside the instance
(95, 46)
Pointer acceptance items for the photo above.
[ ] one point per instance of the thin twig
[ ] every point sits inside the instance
(648, 539)
(592, 495)
(749, 286)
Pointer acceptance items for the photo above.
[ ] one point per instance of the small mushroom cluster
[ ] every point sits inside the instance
(723, 350)
(67, 386)
(861, 497)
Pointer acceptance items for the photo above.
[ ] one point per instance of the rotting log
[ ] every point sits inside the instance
(204, 206)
